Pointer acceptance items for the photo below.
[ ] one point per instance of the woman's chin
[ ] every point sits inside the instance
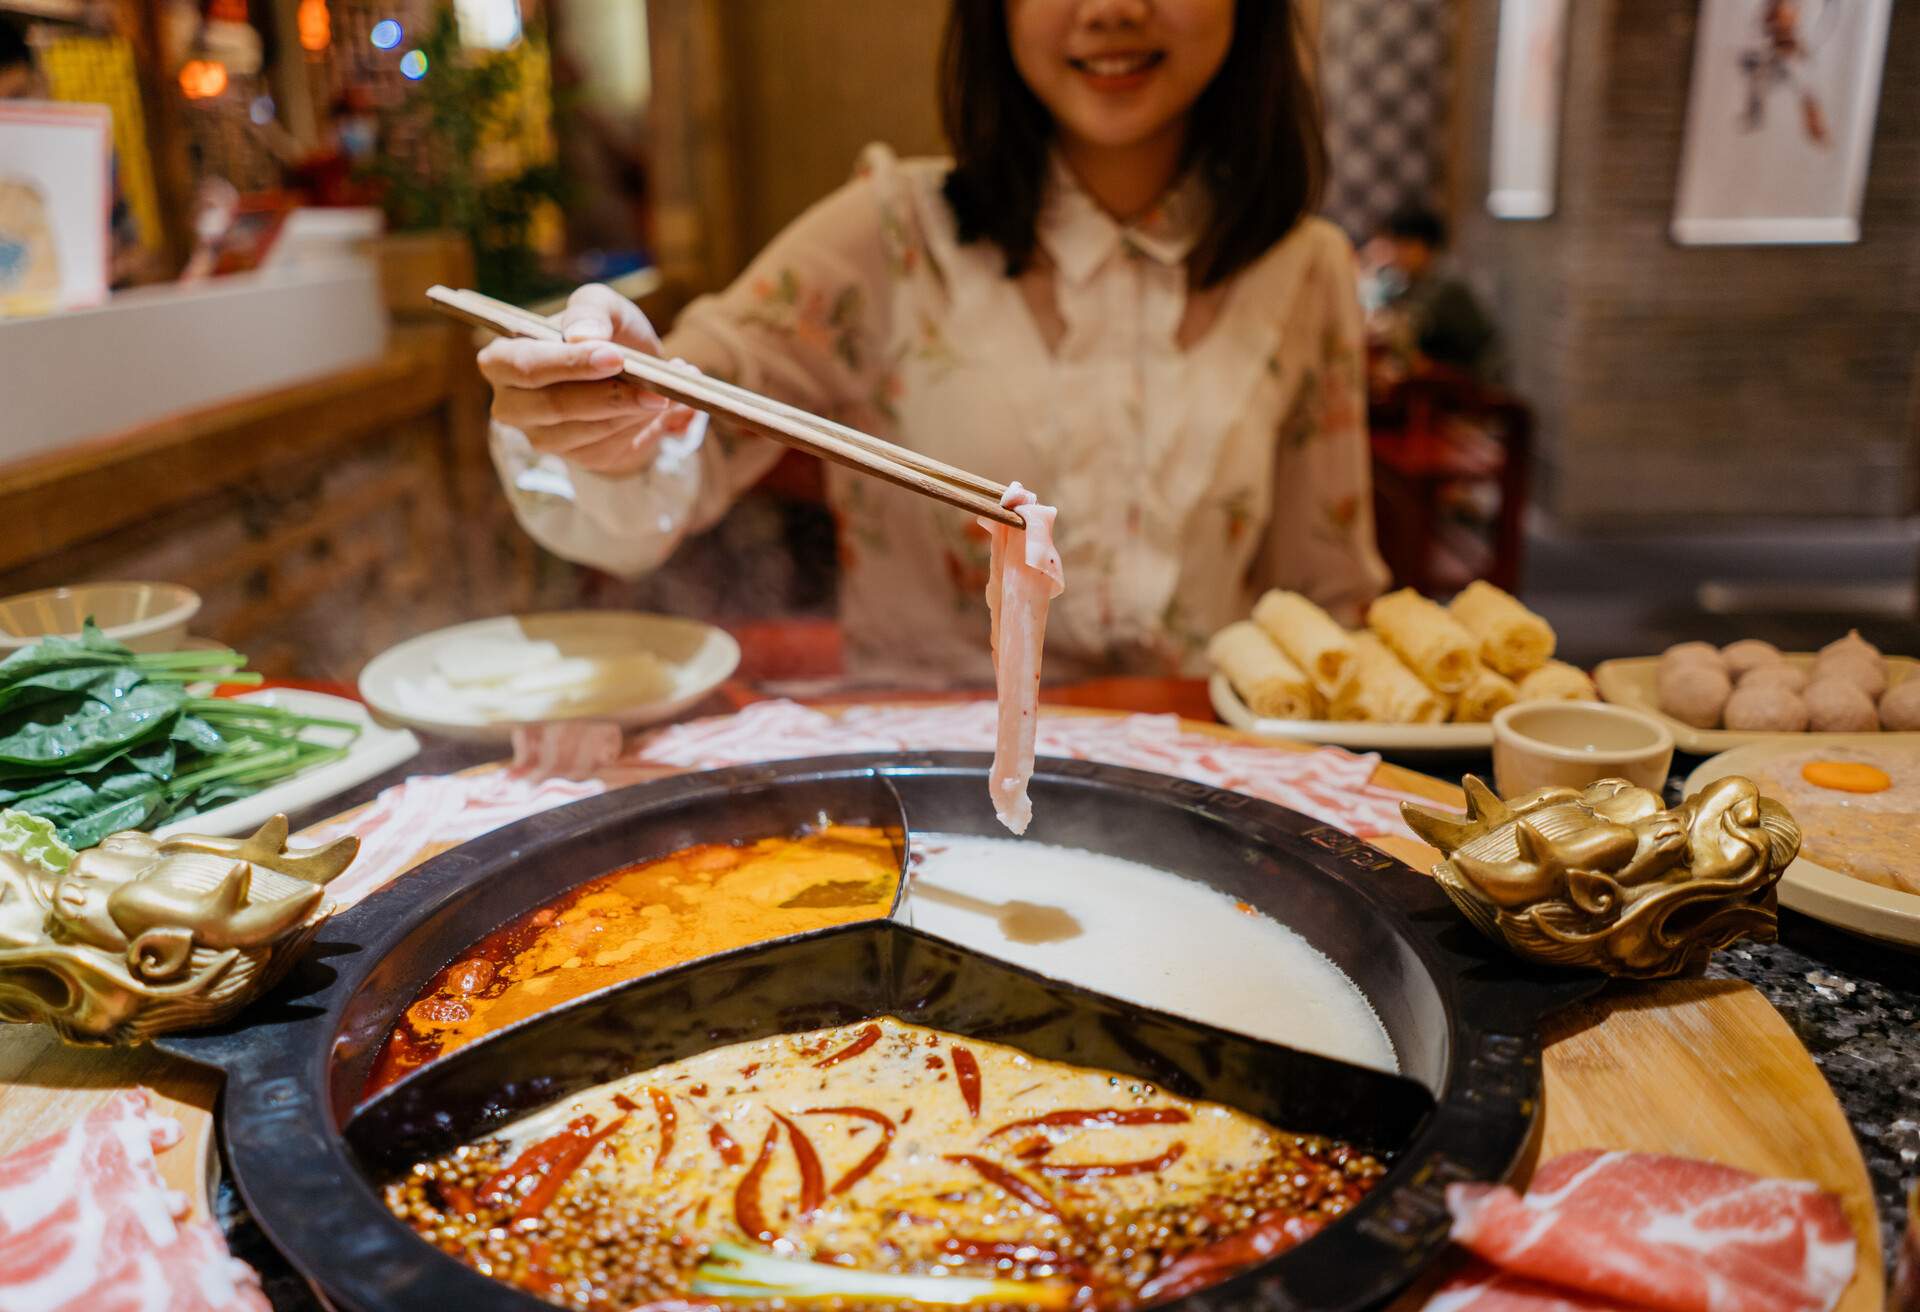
(1127, 130)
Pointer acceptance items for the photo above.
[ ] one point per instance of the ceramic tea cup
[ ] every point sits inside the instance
(1571, 744)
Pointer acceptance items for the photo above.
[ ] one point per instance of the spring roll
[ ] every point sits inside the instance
(1272, 686)
(1310, 638)
(1489, 692)
(1511, 638)
(1385, 691)
(1428, 640)
(1024, 575)
(1557, 681)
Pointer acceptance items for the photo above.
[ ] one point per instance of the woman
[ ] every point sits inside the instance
(1115, 294)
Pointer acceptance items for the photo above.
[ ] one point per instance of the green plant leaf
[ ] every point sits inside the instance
(56, 654)
(92, 732)
(130, 809)
(155, 759)
(86, 808)
(196, 733)
(48, 684)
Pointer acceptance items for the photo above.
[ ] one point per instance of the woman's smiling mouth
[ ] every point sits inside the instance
(1118, 71)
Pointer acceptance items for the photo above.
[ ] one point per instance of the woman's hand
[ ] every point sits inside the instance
(571, 399)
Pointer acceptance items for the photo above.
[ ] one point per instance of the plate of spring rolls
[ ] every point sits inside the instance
(1419, 677)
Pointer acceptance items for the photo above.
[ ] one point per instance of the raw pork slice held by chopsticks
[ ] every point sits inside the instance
(1022, 579)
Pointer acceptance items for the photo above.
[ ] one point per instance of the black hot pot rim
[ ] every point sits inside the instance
(1462, 1015)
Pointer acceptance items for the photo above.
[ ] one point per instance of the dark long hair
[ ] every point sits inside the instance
(1254, 136)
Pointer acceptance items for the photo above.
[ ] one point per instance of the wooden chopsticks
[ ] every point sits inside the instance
(783, 423)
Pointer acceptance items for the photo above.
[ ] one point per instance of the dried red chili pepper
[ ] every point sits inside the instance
(868, 1037)
(966, 1070)
(1006, 1181)
(663, 1108)
(1081, 1118)
(552, 1159)
(724, 1145)
(746, 1195)
(813, 1190)
(1107, 1170)
(1271, 1232)
(865, 1166)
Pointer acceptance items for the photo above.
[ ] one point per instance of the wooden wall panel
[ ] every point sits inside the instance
(690, 123)
(814, 81)
(1683, 381)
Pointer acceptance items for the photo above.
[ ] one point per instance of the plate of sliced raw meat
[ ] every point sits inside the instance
(87, 1224)
(1640, 1230)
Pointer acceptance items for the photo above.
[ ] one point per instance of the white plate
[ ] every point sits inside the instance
(1630, 682)
(698, 657)
(1360, 736)
(376, 750)
(1815, 890)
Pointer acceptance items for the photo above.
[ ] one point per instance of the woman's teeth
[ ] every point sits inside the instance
(1117, 65)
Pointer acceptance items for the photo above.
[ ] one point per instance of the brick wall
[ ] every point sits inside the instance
(1696, 382)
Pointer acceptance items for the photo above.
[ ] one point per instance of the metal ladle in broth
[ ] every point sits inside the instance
(1020, 922)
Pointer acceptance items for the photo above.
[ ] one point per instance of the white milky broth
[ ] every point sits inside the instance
(1144, 935)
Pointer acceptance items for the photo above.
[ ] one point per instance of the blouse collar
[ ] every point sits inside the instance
(1079, 236)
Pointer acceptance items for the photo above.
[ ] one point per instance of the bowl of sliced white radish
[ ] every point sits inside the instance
(478, 681)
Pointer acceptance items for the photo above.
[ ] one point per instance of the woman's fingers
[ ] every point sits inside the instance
(596, 312)
(567, 397)
(629, 453)
(536, 407)
(523, 362)
(575, 435)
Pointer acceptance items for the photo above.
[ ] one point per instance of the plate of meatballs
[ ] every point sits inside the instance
(1715, 698)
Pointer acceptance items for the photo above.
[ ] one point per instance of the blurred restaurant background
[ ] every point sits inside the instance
(1669, 427)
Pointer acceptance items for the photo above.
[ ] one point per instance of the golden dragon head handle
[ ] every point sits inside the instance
(140, 935)
(1607, 878)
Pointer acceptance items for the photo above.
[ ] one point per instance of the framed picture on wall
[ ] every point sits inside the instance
(1780, 120)
(1527, 74)
(56, 202)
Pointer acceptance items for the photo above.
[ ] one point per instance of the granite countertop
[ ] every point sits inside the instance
(1854, 1003)
(1856, 1007)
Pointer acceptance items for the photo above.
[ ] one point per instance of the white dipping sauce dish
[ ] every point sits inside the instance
(1571, 744)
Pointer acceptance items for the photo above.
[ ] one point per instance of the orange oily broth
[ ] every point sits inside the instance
(640, 919)
(884, 1146)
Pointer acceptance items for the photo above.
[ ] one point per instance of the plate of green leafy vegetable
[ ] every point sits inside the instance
(96, 738)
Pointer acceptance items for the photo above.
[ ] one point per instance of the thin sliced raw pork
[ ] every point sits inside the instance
(88, 1225)
(1482, 1288)
(1022, 580)
(1662, 1233)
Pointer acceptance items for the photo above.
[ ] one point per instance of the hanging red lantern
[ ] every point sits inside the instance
(315, 24)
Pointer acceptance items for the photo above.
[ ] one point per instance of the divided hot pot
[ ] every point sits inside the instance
(309, 1155)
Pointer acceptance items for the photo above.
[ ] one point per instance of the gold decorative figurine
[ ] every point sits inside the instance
(1607, 878)
(139, 936)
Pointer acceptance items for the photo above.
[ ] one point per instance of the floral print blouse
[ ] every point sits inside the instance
(1200, 448)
